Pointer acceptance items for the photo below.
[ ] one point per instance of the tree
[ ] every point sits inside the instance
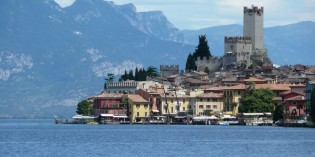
(207, 70)
(152, 72)
(137, 74)
(191, 63)
(110, 77)
(202, 48)
(130, 75)
(278, 113)
(85, 108)
(250, 87)
(313, 105)
(201, 51)
(259, 100)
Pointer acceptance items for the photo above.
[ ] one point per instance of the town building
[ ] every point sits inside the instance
(209, 104)
(138, 107)
(108, 103)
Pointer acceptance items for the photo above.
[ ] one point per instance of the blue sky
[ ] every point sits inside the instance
(198, 14)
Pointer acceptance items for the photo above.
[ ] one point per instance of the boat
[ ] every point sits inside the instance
(228, 120)
(224, 123)
(205, 120)
(93, 123)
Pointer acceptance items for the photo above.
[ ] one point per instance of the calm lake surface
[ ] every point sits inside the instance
(44, 138)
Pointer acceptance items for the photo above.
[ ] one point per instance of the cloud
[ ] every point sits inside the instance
(65, 3)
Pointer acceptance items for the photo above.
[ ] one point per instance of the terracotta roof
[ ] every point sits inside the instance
(136, 98)
(253, 79)
(210, 95)
(297, 98)
(214, 88)
(298, 85)
(281, 87)
(109, 95)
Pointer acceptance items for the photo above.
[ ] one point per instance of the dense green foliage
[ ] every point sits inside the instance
(259, 100)
(278, 113)
(152, 72)
(85, 108)
(202, 48)
(313, 105)
(207, 70)
(201, 51)
(191, 63)
(140, 75)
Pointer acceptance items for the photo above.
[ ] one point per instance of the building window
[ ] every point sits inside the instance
(171, 100)
(172, 109)
(146, 105)
(208, 99)
(208, 107)
(145, 114)
(183, 108)
(137, 114)
(184, 101)
(200, 113)
(200, 106)
(215, 99)
(138, 105)
(294, 102)
(200, 99)
(215, 106)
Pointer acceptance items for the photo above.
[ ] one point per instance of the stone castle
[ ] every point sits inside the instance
(168, 70)
(242, 52)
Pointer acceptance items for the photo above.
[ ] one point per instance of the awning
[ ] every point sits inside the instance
(120, 117)
(82, 117)
(155, 111)
(253, 114)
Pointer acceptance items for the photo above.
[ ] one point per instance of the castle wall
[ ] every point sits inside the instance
(237, 50)
(168, 70)
(213, 63)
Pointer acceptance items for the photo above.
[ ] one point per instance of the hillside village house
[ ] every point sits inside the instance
(139, 110)
(209, 103)
(108, 103)
(173, 103)
(234, 94)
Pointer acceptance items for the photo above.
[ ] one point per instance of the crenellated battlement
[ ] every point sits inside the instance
(254, 10)
(237, 39)
(169, 67)
(212, 63)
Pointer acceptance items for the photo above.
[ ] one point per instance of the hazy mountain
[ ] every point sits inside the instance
(52, 57)
(289, 44)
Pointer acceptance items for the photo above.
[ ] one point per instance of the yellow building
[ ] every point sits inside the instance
(208, 103)
(139, 109)
(173, 103)
(234, 94)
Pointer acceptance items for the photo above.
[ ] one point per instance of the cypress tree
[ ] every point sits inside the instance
(202, 48)
(130, 75)
(191, 63)
(137, 75)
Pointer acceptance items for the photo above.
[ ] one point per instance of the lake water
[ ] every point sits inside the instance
(44, 138)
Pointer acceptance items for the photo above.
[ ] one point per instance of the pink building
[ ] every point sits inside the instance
(109, 103)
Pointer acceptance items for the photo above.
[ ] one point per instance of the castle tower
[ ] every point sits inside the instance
(254, 26)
